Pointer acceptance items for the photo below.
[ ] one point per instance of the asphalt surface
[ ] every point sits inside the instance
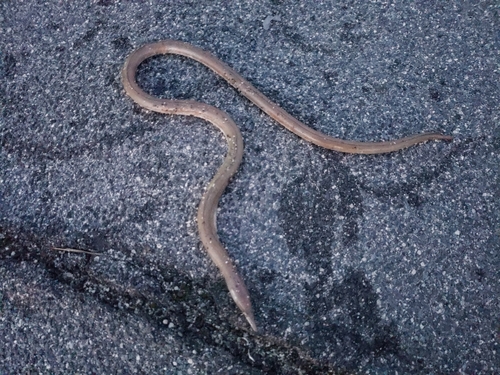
(378, 264)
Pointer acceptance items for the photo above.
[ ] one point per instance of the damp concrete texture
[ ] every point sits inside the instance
(376, 264)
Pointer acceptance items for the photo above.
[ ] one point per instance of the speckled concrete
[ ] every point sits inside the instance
(366, 264)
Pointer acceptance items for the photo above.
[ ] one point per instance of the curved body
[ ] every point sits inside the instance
(207, 225)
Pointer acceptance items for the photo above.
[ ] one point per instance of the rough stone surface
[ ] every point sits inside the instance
(365, 264)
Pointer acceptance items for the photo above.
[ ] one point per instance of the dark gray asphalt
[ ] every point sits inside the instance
(370, 264)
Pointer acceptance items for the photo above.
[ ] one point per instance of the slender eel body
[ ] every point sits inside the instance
(207, 225)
